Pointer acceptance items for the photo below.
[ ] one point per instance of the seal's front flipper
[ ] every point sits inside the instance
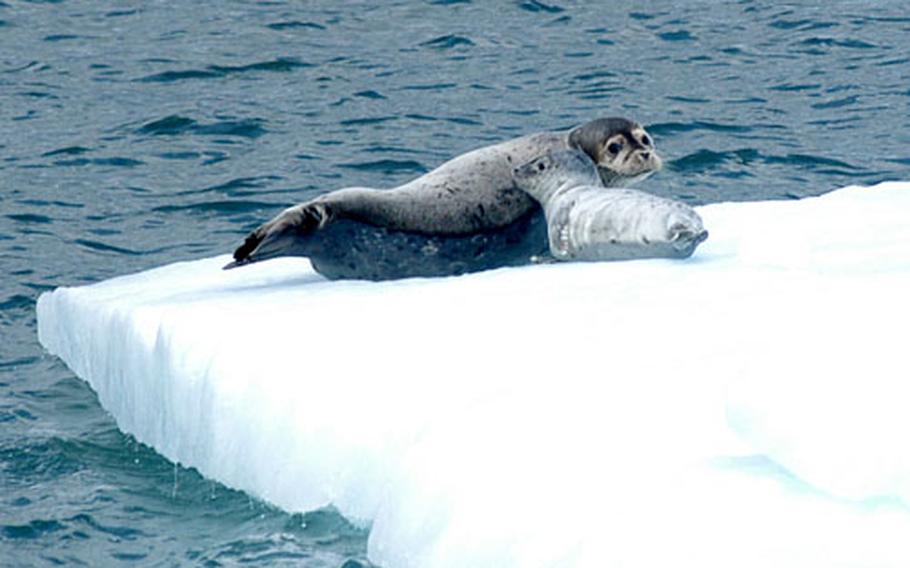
(685, 237)
(285, 235)
(558, 232)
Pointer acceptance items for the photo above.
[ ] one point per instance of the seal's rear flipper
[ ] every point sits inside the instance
(233, 264)
(285, 235)
(249, 245)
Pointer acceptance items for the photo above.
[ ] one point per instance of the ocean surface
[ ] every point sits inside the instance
(134, 134)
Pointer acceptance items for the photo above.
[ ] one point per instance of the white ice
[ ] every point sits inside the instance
(745, 407)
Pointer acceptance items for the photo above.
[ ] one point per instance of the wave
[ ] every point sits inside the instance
(539, 7)
(279, 65)
(295, 25)
(29, 218)
(67, 151)
(673, 127)
(366, 121)
(175, 125)
(116, 161)
(32, 530)
(234, 187)
(832, 42)
(387, 166)
(704, 160)
(220, 206)
(448, 42)
(105, 247)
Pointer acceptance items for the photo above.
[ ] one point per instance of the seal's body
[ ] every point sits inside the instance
(354, 250)
(465, 215)
(588, 222)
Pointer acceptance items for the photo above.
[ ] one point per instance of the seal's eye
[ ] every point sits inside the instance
(541, 166)
(645, 140)
(614, 148)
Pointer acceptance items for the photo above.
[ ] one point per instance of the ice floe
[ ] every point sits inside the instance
(743, 407)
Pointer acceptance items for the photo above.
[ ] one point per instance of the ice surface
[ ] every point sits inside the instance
(745, 407)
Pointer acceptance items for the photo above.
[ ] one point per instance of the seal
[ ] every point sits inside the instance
(588, 222)
(465, 215)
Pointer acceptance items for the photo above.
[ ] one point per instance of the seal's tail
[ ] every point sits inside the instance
(285, 235)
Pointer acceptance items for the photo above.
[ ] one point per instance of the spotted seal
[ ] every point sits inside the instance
(588, 222)
(465, 215)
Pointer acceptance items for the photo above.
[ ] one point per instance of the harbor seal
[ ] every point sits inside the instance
(465, 215)
(588, 222)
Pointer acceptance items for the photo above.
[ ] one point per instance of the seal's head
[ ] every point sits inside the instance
(623, 151)
(544, 176)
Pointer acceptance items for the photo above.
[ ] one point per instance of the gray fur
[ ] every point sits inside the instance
(588, 222)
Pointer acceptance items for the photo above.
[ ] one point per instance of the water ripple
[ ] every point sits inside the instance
(174, 125)
(801, 25)
(29, 218)
(429, 87)
(387, 166)
(295, 25)
(104, 247)
(60, 37)
(217, 206)
(535, 6)
(16, 307)
(116, 161)
(67, 151)
(675, 127)
(834, 42)
(588, 76)
(452, 119)
(280, 65)
(369, 94)
(38, 460)
(121, 532)
(234, 187)
(121, 13)
(448, 42)
(17, 362)
(837, 103)
(678, 35)
(796, 87)
(33, 530)
(366, 121)
(704, 160)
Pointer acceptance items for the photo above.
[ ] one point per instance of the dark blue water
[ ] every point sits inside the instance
(133, 134)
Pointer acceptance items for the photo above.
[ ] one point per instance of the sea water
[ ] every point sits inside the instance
(133, 135)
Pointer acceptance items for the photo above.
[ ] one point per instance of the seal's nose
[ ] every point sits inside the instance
(645, 155)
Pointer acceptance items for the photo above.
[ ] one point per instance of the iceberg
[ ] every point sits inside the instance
(743, 407)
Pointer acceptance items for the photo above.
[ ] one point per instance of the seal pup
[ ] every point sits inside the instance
(465, 215)
(587, 222)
